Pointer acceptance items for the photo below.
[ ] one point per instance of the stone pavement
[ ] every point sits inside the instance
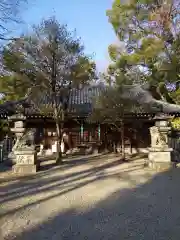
(95, 198)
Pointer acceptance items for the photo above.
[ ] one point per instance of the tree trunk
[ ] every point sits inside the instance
(122, 141)
(59, 137)
(55, 103)
(114, 147)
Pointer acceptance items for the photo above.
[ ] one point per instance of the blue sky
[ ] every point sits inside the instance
(88, 17)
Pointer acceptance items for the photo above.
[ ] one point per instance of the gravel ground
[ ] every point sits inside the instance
(97, 198)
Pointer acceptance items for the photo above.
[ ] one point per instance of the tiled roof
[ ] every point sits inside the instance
(80, 96)
(80, 101)
(10, 107)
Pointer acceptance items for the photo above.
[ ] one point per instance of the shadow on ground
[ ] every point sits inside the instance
(146, 212)
(68, 163)
(48, 164)
(27, 186)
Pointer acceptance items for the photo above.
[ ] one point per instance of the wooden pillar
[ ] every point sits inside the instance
(99, 132)
(45, 137)
(82, 132)
(90, 136)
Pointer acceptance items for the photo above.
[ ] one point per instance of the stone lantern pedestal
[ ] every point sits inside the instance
(160, 154)
(26, 161)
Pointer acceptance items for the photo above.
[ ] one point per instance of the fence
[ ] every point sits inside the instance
(6, 147)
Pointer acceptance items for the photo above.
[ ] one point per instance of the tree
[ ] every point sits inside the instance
(83, 71)
(50, 61)
(150, 30)
(12, 88)
(111, 108)
(10, 11)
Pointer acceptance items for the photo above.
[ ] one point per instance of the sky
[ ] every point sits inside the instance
(87, 17)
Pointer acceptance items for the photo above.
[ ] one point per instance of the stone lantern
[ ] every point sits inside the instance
(18, 130)
(23, 153)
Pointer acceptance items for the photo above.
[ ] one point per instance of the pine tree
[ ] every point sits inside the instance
(150, 31)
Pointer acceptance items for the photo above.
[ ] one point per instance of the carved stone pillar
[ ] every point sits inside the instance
(160, 154)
